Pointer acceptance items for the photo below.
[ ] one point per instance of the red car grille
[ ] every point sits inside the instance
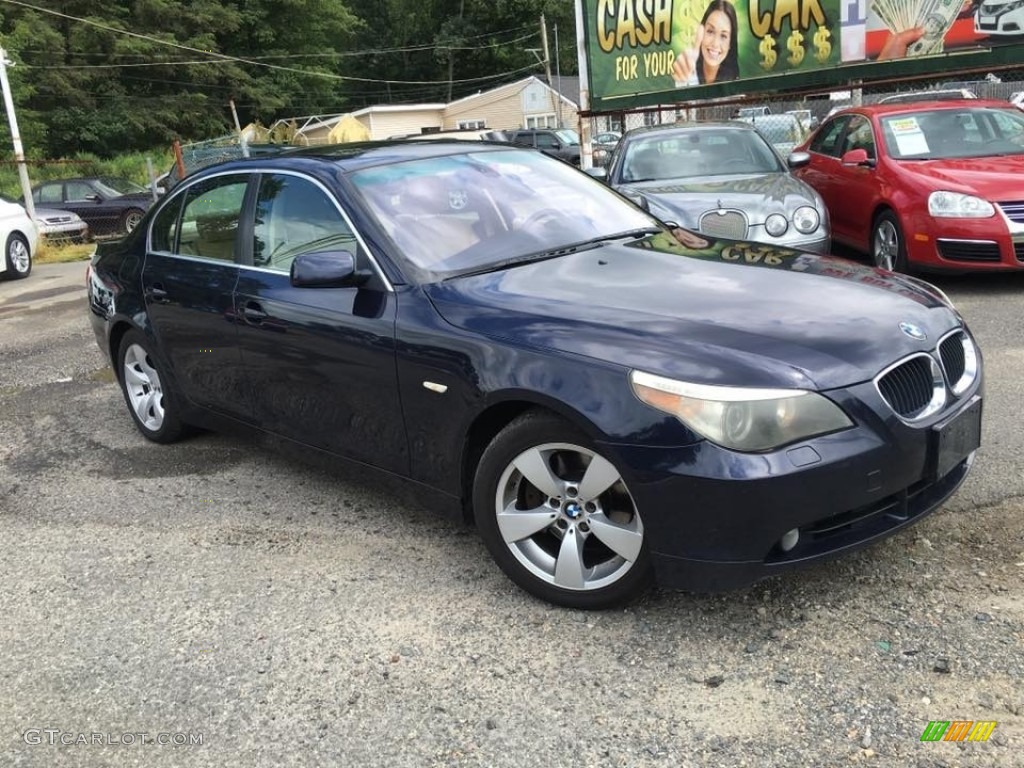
(1014, 211)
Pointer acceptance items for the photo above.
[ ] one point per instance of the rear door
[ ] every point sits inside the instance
(319, 363)
(188, 282)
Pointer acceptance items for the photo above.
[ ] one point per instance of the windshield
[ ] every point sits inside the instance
(952, 133)
(113, 186)
(465, 212)
(688, 154)
(568, 136)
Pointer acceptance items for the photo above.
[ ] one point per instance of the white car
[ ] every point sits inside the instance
(999, 17)
(19, 235)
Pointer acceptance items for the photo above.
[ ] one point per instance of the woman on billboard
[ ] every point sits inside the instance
(713, 56)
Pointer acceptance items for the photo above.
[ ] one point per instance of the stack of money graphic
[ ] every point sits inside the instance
(935, 17)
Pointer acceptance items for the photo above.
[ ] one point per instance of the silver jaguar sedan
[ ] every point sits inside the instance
(722, 179)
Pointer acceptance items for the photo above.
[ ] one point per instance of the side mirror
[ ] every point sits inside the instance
(858, 157)
(598, 173)
(798, 159)
(326, 269)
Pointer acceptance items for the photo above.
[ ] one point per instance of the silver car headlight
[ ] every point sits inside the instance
(806, 219)
(776, 225)
(955, 205)
(742, 418)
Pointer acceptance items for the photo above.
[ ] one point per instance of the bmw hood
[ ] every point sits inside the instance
(717, 313)
(758, 195)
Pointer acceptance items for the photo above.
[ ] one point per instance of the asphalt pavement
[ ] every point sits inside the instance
(213, 603)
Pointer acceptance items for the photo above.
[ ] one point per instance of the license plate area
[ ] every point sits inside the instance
(955, 438)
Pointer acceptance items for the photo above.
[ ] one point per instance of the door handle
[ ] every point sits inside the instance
(157, 294)
(253, 312)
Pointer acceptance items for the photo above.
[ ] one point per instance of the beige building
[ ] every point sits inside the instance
(527, 103)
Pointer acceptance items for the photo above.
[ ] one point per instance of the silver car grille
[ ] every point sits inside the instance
(922, 384)
(724, 223)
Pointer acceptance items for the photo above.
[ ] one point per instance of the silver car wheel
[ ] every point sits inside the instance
(142, 384)
(18, 255)
(131, 220)
(566, 515)
(886, 245)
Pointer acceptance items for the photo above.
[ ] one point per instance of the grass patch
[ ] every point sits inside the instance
(60, 253)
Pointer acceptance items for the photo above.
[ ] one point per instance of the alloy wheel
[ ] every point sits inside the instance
(18, 255)
(566, 515)
(886, 245)
(142, 384)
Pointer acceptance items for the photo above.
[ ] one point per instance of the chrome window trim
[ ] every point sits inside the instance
(939, 391)
(970, 362)
(182, 187)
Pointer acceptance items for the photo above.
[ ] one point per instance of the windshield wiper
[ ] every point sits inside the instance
(554, 253)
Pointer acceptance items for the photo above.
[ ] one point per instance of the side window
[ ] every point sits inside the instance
(209, 220)
(294, 216)
(48, 193)
(827, 140)
(78, 191)
(165, 227)
(860, 136)
(547, 141)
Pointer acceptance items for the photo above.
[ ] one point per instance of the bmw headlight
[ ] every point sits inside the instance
(806, 219)
(776, 225)
(956, 205)
(741, 418)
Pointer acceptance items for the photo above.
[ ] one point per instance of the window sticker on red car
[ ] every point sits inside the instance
(909, 137)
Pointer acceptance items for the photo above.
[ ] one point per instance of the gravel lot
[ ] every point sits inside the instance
(289, 615)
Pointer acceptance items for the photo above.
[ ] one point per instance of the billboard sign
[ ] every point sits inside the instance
(678, 48)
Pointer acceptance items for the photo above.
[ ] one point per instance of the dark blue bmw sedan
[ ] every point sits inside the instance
(611, 399)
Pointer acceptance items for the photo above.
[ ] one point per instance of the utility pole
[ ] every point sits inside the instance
(586, 152)
(547, 60)
(19, 153)
(558, 74)
(238, 129)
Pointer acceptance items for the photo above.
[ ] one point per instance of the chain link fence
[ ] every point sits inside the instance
(785, 120)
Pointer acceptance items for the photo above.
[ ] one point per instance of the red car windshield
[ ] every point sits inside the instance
(940, 134)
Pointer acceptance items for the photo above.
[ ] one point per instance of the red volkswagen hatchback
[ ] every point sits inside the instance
(934, 185)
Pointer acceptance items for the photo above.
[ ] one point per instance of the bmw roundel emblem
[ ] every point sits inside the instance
(913, 331)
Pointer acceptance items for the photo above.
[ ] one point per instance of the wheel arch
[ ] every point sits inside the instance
(497, 415)
(117, 332)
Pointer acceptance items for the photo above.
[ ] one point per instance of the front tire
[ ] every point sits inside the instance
(17, 257)
(557, 516)
(888, 248)
(145, 390)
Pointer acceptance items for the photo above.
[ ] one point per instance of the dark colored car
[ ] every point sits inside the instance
(723, 179)
(607, 399)
(932, 185)
(562, 143)
(109, 205)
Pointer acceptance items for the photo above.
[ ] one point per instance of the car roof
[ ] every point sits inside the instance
(921, 106)
(650, 130)
(358, 155)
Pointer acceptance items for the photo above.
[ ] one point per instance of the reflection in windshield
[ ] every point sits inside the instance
(464, 212)
(940, 134)
(692, 153)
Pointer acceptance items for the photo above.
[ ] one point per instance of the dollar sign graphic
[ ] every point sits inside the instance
(822, 44)
(795, 44)
(767, 49)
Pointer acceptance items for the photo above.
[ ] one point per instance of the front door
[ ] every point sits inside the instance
(320, 362)
(188, 281)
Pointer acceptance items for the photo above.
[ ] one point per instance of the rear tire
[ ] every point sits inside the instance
(557, 516)
(146, 390)
(130, 220)
(17, 257)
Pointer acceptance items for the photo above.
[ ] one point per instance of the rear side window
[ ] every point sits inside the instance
(165, 227)
(209, 219)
